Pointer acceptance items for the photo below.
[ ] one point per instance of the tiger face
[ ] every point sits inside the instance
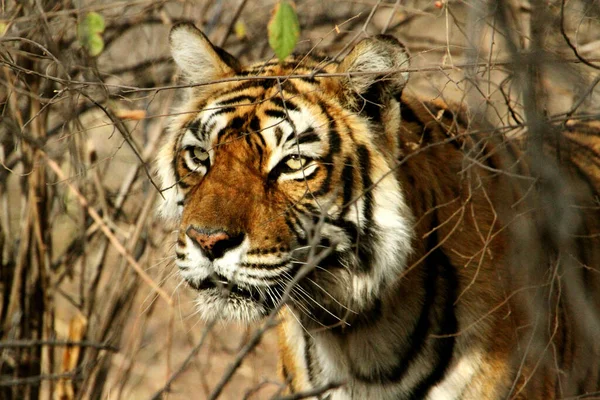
(271, 173)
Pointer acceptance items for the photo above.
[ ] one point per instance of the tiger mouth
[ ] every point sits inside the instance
(226, 288)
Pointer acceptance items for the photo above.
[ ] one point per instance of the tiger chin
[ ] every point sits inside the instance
(387, 237)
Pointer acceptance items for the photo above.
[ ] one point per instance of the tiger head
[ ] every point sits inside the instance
(286, 168)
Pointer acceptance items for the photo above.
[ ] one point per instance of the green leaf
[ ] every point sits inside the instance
(284, 29)
(95, 45)
(89, 33)
(94, 22)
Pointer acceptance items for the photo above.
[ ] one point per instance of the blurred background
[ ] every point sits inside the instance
(90, 302)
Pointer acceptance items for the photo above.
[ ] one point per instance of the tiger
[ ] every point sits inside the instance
(399, 244)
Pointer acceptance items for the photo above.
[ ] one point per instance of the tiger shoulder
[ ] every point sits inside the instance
(408, 252)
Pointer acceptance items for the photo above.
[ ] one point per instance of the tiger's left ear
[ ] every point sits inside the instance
(375, 61)
(198, 58)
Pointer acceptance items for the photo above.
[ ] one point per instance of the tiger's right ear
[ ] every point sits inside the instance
(198, 58)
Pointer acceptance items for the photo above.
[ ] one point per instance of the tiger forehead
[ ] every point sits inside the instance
(294, 66)
(260, 104)
(291, 78)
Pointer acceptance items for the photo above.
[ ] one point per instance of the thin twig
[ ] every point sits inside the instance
(185, 363)
(569, 43)
(235, 18)
(9, 344)
(110, 236)
(37, 380)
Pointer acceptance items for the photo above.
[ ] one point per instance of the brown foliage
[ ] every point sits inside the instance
(78, 239)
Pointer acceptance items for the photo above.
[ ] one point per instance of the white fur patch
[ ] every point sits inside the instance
(457, 378)
(167, 207)
(301, 121)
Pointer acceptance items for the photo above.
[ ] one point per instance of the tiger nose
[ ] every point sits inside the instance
(214, 244)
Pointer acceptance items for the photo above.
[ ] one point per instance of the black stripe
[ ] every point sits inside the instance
(415, 341)
(295, 227)
(205, 129)
(335, 141)
(371, 102)
(309, 80)
(287, 378)
(308, 136)
(276, 114)
(254, 125)
(261, 83)
(237, 99)
(174, 161)
(290, 87)
(181, 183)
(440, 282)
(259, 68)
(308, 358)
(278, 134)
(259, 144)
(362, 245)
(260, 152)
(265, 266)
(267, 250)
(349, 227)
(253, 144)
(223, 110)
(289, 105)
(327, 163)
(348, 185)
(261, 139)
(237, 123)
(364, 242)
(221, 134)
(193, 128)
(448, 326)
(185, 166)
(335, 146)
(364, 161)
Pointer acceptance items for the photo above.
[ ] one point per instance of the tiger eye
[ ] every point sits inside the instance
(296, 163)
(200, 155)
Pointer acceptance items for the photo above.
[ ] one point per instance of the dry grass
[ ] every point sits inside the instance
(90, 301)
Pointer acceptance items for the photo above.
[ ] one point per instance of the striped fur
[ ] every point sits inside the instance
(418, 234)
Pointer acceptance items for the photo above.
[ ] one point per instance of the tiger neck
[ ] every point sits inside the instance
(404, 343)
(407, 338)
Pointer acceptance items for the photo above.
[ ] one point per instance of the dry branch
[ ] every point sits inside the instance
(110, 236)
(53, 260)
